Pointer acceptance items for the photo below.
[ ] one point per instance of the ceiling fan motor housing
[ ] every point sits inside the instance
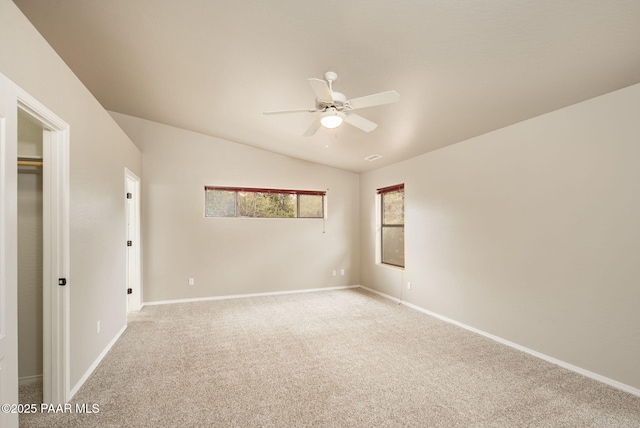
(339, 100)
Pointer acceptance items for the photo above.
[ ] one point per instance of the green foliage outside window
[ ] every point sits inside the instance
(266, 205)
(263, 203)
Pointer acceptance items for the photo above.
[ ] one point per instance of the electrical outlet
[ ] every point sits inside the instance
(98, 327)
(192, 281)
(342, 272)
(408, 285)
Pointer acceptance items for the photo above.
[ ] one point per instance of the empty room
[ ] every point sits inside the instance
(354, 214)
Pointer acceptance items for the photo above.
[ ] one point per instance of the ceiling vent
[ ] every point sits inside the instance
(371, 158)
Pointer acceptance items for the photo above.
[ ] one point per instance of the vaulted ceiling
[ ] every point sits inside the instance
(462, 68)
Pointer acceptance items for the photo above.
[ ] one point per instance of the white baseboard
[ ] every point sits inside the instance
(614, 383)
(27, 379)
(386, 296)
(240, 296)
(95, 364)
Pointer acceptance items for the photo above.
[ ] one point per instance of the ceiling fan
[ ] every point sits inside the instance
(334, 108)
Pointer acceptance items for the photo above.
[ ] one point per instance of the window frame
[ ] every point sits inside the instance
(381, 192)
(237, 190)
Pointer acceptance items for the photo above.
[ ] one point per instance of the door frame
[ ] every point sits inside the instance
(134, 271)
(8, 251)
(56, 303)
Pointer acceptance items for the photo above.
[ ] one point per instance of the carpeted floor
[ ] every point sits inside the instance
(345, 358)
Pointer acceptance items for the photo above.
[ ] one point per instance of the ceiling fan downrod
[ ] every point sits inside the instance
(330, 77)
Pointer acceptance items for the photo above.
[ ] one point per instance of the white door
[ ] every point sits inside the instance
(130, 243)
(132, 190)
(8, 252)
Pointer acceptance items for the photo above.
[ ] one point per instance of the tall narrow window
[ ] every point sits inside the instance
(392, 225)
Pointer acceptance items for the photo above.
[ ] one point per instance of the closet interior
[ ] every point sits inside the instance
(30, 255)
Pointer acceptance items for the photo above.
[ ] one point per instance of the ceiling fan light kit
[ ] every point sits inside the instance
(334, 108)
(331, 118)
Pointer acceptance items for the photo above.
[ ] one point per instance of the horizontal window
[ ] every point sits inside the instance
(263, 203)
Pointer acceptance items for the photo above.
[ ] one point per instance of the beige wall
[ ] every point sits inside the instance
(530, 233)
(229, 256)
(99, 152)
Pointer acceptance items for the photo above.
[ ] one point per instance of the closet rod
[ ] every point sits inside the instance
(29, 163)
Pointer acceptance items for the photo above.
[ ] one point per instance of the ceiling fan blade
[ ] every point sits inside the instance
(374, 100)
(313, 128)
(299, 110)
(321, 89)
(360, 122)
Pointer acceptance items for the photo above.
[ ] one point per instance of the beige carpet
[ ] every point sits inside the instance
(343, 358)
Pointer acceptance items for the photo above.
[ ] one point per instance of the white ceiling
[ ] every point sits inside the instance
(462, 68)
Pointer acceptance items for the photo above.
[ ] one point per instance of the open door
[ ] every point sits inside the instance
(55, 281)
(55, 249)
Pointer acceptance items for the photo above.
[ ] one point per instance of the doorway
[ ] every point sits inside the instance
(55, 246)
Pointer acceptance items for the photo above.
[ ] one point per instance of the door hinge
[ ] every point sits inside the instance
(129, 290)
(129, 195)
(62, 281)
(129, 243)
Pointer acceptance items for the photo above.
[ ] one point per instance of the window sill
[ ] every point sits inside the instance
(402, 268)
